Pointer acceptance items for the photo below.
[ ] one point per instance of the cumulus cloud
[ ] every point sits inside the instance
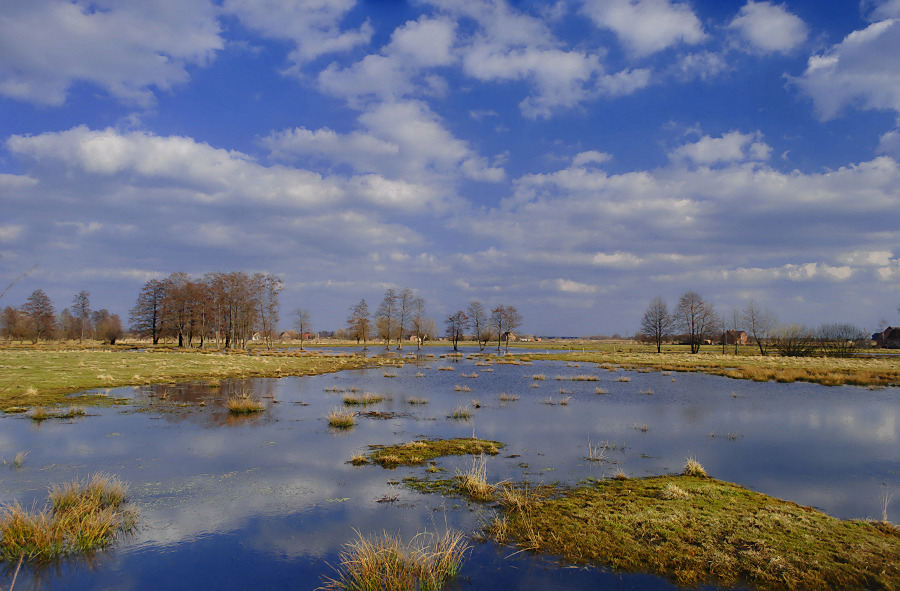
(392, 73)
(733, 146)
(861, 71)
(403, 139)
(768, 28)
(129, 49)
(312, 25)
(647, 26)
(569, 286)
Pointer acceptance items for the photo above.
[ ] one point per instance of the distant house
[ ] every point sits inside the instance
(889, 338)
(735, 337)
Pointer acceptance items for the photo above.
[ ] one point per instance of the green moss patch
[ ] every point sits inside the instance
(700, 530)
(418, 452)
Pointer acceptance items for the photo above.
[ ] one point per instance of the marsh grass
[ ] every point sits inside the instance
(693, 468)
(461, 413)
(699, 531)
(539, 377)
(384, 562)
(364, 400)
(623, 379)
(504, 397)
(459, 388)
(339, 418)
(243, 404)
(473, 481)
(596, 453)
(599, 390)
(423, 450)
(390, 374)
(46, 375)
(81, 518)
(585, 378)
(416, 401)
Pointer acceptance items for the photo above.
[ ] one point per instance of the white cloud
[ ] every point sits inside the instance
(127, 48)
(391, 74)
(869, 258)
(860, 71)
(703, 65)
(889, 143)
(769, 28)
(401, 140)
(569, 286)
(647, 26)
(883, 9)
(10, 232)
(313, 25)
(734, 146)
(590, 157)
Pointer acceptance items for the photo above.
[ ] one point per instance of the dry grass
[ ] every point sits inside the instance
(473, 481)
(364, 400)
(384, 562)
(599, 390)
(539, 376)
(508, 397)
(82, 517)
(693, 468)
(416, 401)
(339, 418)
(461, 413)
(242, 404)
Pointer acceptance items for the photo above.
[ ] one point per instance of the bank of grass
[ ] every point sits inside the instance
(425, 563)
(694, 529)
(81, 517)
(418, 452)
(47, 375)
(829, 371)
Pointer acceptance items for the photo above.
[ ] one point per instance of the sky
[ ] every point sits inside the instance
(574, 159)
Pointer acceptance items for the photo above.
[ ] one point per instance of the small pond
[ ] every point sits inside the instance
(267, 501)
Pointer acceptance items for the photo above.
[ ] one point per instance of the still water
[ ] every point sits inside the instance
(267, 501)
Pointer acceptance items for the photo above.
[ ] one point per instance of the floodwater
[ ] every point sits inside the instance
(268, 501)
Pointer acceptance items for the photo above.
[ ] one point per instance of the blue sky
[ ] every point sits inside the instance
(573, 158)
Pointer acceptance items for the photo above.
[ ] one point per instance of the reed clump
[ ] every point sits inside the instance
(341, 419)
(81, 517)
(242, 404)
(427, 563)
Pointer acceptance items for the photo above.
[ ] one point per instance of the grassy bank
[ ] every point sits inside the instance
(418, 452)
(46, 376)
(829, 371)
(695, 530)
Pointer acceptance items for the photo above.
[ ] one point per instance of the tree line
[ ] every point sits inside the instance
(225, 308)
(37, 320)
(695, 322)
(401, 315)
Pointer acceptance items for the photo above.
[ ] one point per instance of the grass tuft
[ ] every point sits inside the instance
(243, 404)
(383, 561)
(341, 419)
(693, 468)
(82, 517)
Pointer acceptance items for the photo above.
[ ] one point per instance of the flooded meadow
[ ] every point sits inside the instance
(268, 499)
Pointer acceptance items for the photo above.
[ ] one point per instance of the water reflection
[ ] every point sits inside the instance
(268, 500)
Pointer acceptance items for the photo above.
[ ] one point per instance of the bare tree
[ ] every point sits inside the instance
(419, 323)
(303, 323)
(386, 317)
(107, 325)
(760, 323)
(41, 315)
(794, 340)
(735, 330)
(359, 324)
(146, 317)
(456, 325)
(406, 302)
(81, 309)
(656, 323)
(505, 319)
(13, 324)
(839, 340)
(480, 323)
(695, 318)
(270, 287)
